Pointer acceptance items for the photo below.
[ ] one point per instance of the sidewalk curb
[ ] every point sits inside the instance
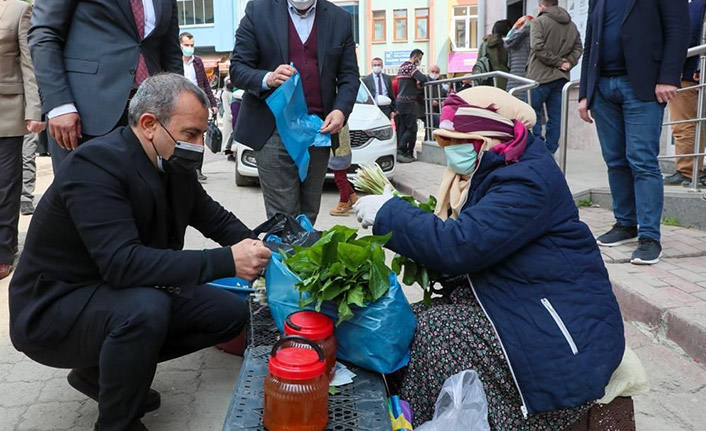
(684, 325)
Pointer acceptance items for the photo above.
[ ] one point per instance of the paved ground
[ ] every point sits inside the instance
(196, 389)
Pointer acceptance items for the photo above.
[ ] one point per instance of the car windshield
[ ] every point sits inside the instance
(364, 96)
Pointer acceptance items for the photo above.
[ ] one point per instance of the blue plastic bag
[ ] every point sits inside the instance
(376, 338)
(296, 127)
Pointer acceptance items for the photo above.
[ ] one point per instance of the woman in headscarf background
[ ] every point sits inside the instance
(533, 312)
(517, 43)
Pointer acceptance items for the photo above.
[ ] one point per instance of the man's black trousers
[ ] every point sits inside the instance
(126, 332)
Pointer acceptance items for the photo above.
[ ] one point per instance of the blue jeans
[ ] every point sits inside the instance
(629, 131)
(548, 95)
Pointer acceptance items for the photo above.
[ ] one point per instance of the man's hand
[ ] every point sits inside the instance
(66, 129)
(584, 113)
(665, 92)
(697, 76)
(435, 103)
(250, 257)
(280, 75)
(35, 126)
(214, 110)
(334, 122)
(565, 66)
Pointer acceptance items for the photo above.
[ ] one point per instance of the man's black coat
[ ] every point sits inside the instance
(262, 44)
(109, 218)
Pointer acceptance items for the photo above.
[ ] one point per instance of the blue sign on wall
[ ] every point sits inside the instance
(395, 58)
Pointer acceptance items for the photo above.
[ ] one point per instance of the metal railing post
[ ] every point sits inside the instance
(699, 125)
(564, 124)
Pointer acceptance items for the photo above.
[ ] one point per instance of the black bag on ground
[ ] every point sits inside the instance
(214, 137)
(289, 231)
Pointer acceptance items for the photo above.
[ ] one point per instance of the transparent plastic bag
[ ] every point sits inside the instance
(461, 405)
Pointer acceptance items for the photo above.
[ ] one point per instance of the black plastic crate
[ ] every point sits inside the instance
(262, 330)
(359, 406)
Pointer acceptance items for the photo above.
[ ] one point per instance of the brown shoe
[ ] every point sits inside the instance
(342, 209)
(6, 269)
(353, 198)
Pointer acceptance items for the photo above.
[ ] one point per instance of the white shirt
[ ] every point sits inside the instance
(190, 72)
(150, 24)
(303, 25)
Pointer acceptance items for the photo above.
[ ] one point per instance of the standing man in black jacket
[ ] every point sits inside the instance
(409, 78)
(632, 65)
(103, 285)
(90, 56)
(317, 37)
(380, 84)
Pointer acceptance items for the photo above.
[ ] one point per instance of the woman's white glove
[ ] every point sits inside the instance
(367, 207)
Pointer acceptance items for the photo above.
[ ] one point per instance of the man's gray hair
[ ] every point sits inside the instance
(549, 3)
(158, 94)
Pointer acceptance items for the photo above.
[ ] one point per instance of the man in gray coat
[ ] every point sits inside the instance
(555, 48)
(90, 56)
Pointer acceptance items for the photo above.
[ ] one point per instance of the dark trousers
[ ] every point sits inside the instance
(280, 184)
(124, 333)
(406, 132)
(10, 192)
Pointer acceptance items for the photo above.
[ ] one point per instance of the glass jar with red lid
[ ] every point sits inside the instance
(296, 388)
(318, 328)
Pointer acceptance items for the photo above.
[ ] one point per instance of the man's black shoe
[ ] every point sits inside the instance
(26, 208)
(200, 175)
(403, 158)
(85, 380)
(619, 235)
(135, 426)
(648, 252)
(675, 179)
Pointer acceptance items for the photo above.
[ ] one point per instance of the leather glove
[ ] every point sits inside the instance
(367, 207)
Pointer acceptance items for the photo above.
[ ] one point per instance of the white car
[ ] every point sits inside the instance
(372, 140)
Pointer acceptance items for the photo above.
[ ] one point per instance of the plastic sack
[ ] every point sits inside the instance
(376, 338)
(400, 414)
(296, 127)
(461, 405)
(282, 231)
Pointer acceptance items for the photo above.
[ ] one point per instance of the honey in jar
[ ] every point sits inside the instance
(318, 328)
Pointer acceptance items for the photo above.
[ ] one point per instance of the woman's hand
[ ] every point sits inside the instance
(367, 207)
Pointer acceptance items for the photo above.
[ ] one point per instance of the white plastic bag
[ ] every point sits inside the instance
(461, 405)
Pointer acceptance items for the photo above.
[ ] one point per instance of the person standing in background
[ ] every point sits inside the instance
(29, 173)
(196, 72)
(409, 78)
(226, 102)
(20, 115)
(555, 48)
(380, 84)
(317, 37)
(683, 107)
(437, 94)
(90, 57)
(517, 43)
(494, 49)
(628, 74)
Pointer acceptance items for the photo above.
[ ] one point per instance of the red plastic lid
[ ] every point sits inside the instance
(296, 363)
(309, 324)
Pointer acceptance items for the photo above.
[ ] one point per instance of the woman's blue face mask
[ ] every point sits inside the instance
(461, 158)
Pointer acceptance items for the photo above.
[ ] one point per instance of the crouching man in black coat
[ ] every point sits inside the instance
(103, 285)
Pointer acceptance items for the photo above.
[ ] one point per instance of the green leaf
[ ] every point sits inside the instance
(344, 312)
(423, 277)
(332, 390)
(379, 280)
(410, 273)
(352, 256)
(396, 264)
(356, 296)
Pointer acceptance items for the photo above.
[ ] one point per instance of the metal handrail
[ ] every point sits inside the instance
(527, 84)
(564, 132)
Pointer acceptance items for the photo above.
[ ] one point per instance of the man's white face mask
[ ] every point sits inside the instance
(301, 4)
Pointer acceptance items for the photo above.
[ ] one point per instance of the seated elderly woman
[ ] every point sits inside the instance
(534, 315)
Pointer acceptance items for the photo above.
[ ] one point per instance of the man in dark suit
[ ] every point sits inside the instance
(109, 291)
(632, 64)
(89, 56)
(317, 37)
(380, 84)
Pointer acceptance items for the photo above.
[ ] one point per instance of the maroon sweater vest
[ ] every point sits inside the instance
(305, 59)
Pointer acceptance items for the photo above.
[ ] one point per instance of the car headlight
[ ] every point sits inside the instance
(381, 133)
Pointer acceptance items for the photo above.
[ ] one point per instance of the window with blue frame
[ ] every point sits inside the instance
(195, 12)
(353, 10)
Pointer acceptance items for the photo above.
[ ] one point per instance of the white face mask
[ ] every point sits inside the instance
(377, 69)
(434, 76)
(301, 5)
